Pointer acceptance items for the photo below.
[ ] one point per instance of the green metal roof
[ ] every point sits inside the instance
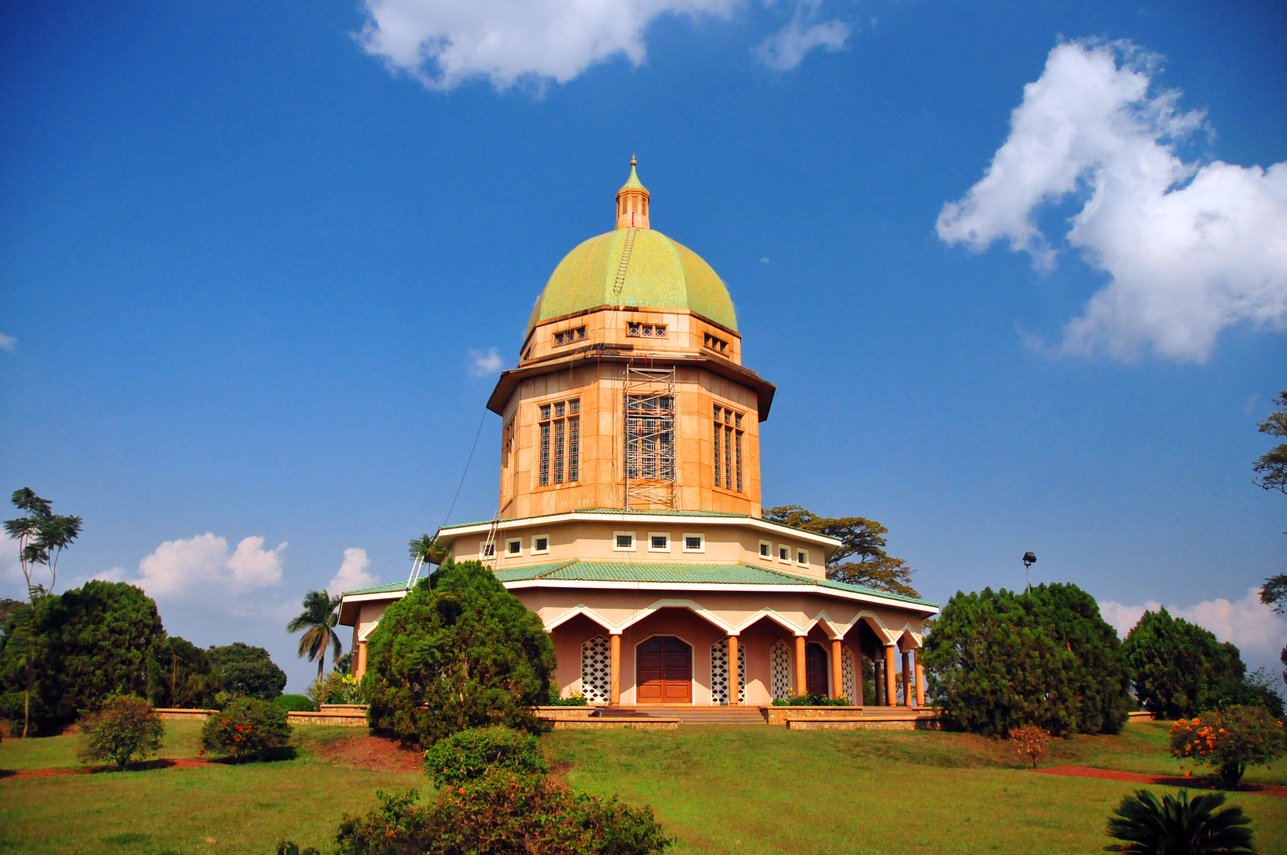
(683, 573)
(634, 267)
(387, 588)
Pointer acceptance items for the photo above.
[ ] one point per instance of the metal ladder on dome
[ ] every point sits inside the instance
(619, 284)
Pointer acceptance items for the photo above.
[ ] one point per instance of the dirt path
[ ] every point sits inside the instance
(1161, 780)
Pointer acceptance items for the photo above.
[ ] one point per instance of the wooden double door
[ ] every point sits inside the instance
(664, 671)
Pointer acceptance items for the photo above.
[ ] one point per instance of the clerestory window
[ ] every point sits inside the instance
(559, 442)
(727, 433)
(650, 437)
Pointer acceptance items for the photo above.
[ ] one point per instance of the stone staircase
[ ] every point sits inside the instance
(688, 715)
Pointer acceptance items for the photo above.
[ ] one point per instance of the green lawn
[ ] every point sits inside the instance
(715, 789)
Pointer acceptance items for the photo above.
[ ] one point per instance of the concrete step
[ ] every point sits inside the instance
(694, 715)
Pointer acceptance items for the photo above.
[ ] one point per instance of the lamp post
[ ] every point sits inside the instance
(1029, 558)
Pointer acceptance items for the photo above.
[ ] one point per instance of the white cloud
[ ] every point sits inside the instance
(1189, 249)
(484, 362)
(352, 573)
(787, 48)
(1257, 630)
(204, 563)
(7, 342)
(443, 43)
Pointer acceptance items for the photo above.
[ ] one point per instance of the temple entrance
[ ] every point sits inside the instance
(664, 671)
(815, 670)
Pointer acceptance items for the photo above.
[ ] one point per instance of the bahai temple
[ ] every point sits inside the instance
(629, 511)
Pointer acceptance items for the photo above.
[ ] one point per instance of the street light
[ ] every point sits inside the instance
(1029, 558)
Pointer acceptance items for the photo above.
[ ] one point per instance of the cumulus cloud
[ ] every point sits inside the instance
(7, 342)
(352, 573)
(484, 362)
(443, 43)
(204, 562)
(1188, 248)
(787, 48)
(1254, 627)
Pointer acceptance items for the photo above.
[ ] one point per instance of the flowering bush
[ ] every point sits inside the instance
(1030, 740)
(576, 699)
(337, 688)
(248, 728)
(124, 730)
(473, 753)
(1230, 740)
(810, 699)
(504, 812)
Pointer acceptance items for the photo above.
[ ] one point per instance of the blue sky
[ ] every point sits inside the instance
(1017, 269)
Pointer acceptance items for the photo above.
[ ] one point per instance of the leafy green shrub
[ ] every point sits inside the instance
(1000, 659)
(458, 651)
(502, 812)
(1145, 825)
(573, 700)
(248, 728)
(470, 754)
(810, 699)
(294, 703)
(124, 730)
(1230, 740)
(337, 688)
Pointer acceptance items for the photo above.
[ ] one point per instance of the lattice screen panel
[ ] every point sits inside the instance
(847, 675)
(780, 658)
(719, 673)
(596, 670)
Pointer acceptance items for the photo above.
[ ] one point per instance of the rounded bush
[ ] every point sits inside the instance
(294, 703)
(124, 730)
(503, 812)
(248, 728)
(470, 754)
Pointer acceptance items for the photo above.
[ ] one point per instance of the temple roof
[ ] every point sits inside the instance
(659, 573)
(634, 266)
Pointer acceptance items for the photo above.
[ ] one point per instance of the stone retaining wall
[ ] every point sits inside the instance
(565, 713)
(602, 722)
(779, 715)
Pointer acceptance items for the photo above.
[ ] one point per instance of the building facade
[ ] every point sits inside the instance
(629, 511)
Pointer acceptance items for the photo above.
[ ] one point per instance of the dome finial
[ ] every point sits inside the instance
(632, 201)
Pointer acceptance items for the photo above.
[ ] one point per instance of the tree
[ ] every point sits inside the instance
(245, 670)
(82, 647)
(1272, 465)
(180, 675)
(1148, 827)
(998, 660)
(318, 621)
(1179, 668)
(861, 558)
(458, 651)
(427, 548)
(42, 535)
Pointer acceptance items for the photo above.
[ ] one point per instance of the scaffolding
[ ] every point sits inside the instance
(649, 466)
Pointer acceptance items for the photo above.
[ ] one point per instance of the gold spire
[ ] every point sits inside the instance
(632, 201)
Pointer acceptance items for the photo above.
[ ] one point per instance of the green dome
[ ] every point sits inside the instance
(660, 273)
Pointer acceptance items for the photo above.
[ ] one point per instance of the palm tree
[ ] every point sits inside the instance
(318, 621)
(1177, 825)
